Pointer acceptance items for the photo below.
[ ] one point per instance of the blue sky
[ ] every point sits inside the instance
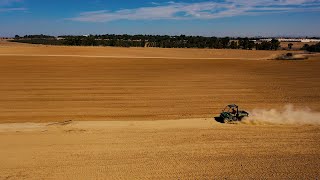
(191, 17)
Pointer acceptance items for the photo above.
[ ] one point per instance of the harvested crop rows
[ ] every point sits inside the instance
(91, 113)
(42, 89)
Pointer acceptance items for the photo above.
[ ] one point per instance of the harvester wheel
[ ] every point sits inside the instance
(226, 120)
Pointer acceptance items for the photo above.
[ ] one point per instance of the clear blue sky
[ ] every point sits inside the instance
(191, 17)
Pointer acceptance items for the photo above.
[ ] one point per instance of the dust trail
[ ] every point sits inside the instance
(288, 115)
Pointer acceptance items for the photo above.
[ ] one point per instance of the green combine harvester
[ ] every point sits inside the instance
(231, 113)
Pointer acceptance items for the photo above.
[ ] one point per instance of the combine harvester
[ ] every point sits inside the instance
(230, 114)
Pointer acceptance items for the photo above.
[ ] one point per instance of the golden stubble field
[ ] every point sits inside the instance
(148, 114)
(296, 45)
(56, 88)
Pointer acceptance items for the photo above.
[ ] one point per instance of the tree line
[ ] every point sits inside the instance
(160, 41)
(312, 48)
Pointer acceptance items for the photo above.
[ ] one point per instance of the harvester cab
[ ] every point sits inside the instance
(231, 113)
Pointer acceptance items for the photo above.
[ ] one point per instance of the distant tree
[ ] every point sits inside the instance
(314, 48)
(246, 43)
(290, 46)
(225, 42)
(251, 45)
(275, 44)
(264, 46)
(89, 41)
(16, 36)
(233, 45)
(243, 43)
(305, 47)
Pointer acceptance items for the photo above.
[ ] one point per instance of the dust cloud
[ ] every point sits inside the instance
(287, 115)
